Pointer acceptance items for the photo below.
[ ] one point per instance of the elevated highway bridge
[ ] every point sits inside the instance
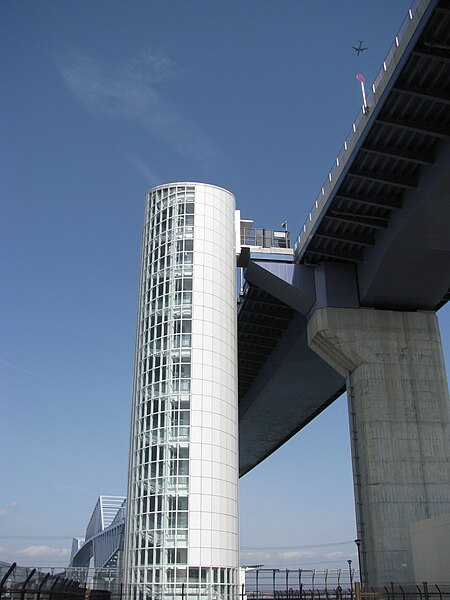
(358, 294)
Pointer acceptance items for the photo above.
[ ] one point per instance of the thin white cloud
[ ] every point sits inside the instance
(132, 92)
(21, 369)
(143, 168)
(13, 504)
(3, 514)
(255, 557)
(337, 554)
(296, 554)
(150, 65)
(43, 552)
(71, 488)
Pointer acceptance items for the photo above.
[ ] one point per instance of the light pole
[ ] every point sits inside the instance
(351, 577)
(358, 545)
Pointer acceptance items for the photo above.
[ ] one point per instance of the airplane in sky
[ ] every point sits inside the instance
(360, 48)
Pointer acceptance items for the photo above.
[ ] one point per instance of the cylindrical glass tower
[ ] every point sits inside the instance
(182, 515)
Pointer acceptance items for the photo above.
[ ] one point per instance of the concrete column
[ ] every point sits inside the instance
(399, 419)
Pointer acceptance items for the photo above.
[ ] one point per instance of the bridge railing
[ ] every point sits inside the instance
(266, 238)
(373, 95)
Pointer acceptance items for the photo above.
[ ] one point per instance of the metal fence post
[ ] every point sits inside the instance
(41, 585)
(50, 595)
(23, 590)
(61, 590)
(5, 578)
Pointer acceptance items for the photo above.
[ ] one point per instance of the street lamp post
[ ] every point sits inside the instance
(351, 577)
(358, 545)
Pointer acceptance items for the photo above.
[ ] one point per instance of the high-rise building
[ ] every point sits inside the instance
(182, 517)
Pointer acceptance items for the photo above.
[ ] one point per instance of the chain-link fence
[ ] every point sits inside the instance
(423, 591)
(23, 583)
(299, 583)
(328, 584)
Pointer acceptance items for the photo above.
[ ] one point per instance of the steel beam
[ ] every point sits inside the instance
(368, 221)
(433, 129)
(353, 238)
(340, 254)
(417, 158)
(388, 178)
(432, 54)
(427, 94)
(382, 202)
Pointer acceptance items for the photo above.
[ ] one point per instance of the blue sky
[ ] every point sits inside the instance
(101, 100)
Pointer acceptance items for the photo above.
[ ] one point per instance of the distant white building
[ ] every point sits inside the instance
(97, 557)
(430, 541)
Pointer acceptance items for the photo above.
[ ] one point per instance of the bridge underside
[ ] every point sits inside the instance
(389, 211)
(384, 231)
(291, 387)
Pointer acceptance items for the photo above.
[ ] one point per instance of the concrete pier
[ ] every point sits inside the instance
(399, 421)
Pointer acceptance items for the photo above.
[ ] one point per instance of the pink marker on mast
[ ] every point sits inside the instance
(361, 78)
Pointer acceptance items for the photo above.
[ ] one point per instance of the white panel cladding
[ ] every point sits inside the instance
(214, 528)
